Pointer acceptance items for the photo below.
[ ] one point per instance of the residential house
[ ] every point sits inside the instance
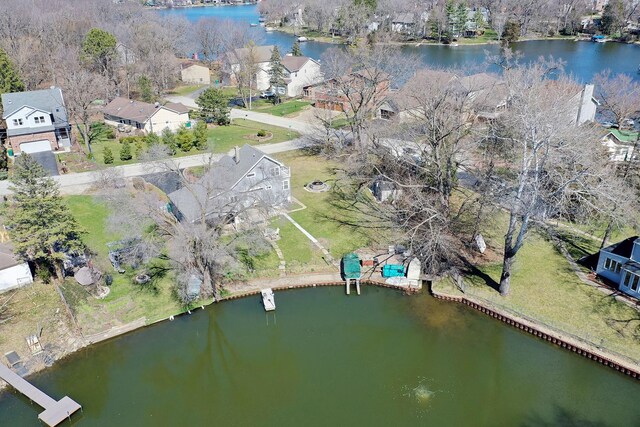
(384, 190)
(620, 264)
(259, 57)
(621, 144)
(583, 105)
(14, 273)
(195, 74)
(36, 121)
(338, 93)
(144, 116)
(248, 186)
(404, 23)
(300, 71)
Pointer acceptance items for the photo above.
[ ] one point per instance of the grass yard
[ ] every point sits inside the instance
(545, 288)
(242, 131)
(300, 254)
(285, 109)
(185, 90)
(321, 218)
(126, 301)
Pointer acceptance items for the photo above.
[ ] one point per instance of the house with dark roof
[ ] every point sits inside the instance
(144, 116)
(620, 264)
(248, 186)
(37, 121)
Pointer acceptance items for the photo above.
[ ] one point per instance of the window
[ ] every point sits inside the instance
(634, 282)
(627, 279)
(612, 265)
(285, 184)
(607, 263)
(275, 171)
(39, 120)
(17, 122)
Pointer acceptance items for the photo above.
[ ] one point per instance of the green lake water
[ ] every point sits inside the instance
(327, 359)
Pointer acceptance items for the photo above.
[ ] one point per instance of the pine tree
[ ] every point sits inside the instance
(139, 149)
(200, 135)
(185, 139)
(39, 222)
(295, 49)
(107, 155)
(276, 73)
(10, 80)
(125, 151)
(214, 105)
(450, 11)
(169, 139)
(461, 18)
(146, 89)
(152, 139)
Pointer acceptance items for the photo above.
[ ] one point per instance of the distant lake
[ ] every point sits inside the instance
(583, 59)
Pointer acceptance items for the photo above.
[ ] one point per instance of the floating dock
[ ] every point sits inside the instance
(268, 299)
(55, 412)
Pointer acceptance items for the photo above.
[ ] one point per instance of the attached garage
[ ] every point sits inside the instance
(35, 147)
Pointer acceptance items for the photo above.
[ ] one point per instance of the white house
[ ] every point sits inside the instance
(195, 74)
(13, 272)
(621, 144)
(256, 56)
(301, 71)
(620, 264)
(36, 121)
(148, 117)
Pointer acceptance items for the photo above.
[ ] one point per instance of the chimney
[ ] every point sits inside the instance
(236, 154)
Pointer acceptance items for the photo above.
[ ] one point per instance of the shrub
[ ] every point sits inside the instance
(125, 152)
(139, 149)
(107, 155)
(262, 133)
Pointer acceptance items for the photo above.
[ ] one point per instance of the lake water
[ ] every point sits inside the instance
(583, 59)
(327, 359)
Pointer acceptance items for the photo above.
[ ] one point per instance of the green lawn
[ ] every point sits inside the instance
(185, 90)
(126, 301)
(300, 254)
(544, 288)
(321, 218)
(286, 108)
(242, 131)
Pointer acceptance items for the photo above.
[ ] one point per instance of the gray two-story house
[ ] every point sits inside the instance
(248, 186)
(620, 264)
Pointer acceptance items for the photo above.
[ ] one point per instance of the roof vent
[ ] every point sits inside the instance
(157, 104)
(52, 87)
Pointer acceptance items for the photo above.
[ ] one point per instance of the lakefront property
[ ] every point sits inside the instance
(356, 213)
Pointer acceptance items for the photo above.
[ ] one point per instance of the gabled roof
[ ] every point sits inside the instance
(404, 18)
(7, 256)
(49, 100)
(623, 248)
(186, 66)
(295, 63)
(138, 111)
(220, 179)
(261, 54)
(624, 136)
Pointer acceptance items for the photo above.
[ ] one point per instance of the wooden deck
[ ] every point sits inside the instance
(55, 412)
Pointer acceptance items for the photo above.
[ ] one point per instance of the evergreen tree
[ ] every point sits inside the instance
(107, 155)
(152, 139)
(613, 17)
(4, 159)
(146, 89)
(39, 222)
(184, 139)
(139, 149)
(450, 11)
(10, 80)
(99, 50)
(511, 32)
(478, 18)
(295, 49)
(169, 139)
(461, 17)
(200, 135)
(214, 106)
(276, 73)
(125, 151)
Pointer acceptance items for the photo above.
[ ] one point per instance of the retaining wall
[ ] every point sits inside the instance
(632, 371)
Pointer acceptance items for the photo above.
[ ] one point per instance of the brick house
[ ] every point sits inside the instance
(36, 121)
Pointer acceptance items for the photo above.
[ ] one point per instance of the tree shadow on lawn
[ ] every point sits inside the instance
(472, 270)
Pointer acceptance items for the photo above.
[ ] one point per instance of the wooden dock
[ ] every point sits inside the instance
(55, 412)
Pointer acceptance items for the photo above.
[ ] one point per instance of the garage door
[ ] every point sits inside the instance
(35, 147)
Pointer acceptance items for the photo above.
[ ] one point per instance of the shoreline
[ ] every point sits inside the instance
(561, 339)
(246, 289)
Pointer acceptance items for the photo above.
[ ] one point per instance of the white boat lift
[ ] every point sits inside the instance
(268, 299)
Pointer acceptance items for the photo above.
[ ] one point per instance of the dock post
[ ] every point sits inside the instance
(358, 286)
(348, 286)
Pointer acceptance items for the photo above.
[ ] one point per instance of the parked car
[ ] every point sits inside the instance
(267, 94)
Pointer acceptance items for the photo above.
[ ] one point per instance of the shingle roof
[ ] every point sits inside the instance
(7, 257)
(139, 111)
(222, 177)
(49, 100)
(623, 248)
(260, 53)
(294, 63)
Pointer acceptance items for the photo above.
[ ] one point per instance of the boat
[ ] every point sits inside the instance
(302, 39)
(253, 24)
(268, 299)
(268, 29)
(453, 44)
(598, 38)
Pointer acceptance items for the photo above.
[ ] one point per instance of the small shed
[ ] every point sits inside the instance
(351, 266)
